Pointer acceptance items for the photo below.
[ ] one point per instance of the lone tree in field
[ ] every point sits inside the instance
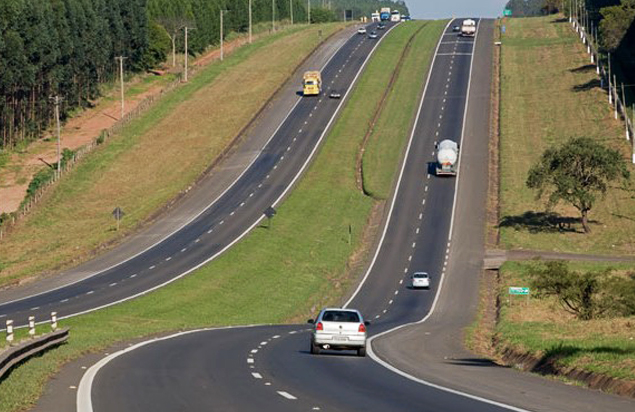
(576, 172)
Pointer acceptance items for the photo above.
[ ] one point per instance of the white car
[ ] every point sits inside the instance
(420, 280)
(361, 30)
(339, 329)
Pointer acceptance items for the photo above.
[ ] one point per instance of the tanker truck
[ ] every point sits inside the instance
(447, 157)
(468, 28)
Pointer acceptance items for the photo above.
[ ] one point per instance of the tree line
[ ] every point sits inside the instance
(68, 48)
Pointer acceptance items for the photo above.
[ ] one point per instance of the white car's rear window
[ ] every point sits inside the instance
(340, 316)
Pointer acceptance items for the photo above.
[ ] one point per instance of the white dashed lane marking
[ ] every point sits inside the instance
(256, 375)
(286, 395)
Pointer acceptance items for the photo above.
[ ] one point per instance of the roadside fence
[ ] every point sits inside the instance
(615, 89)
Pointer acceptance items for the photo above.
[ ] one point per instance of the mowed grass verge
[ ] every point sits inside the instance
(550, 93)
(156, 156)
(397, 114)
(544, 329)
(301, 262)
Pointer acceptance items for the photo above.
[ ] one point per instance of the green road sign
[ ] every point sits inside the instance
(507, 12)
(518, 291)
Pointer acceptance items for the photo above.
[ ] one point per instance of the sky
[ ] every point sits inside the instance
(436, 9)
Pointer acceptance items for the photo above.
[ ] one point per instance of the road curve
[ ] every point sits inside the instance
(270, 368)
(266, 178)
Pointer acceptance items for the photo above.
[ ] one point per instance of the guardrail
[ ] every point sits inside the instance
(26, 349)
(616, 94)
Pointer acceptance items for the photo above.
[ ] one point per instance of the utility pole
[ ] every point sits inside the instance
(56, 102)
(273, 15)
(222, 12)
(250, 21)
(186, 56)
(121, 59)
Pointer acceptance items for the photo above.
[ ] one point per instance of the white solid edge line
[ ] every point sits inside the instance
(84, 401)
(90, 275)
(401, 172)
(286, 395)
(249, 229)
(369, 346)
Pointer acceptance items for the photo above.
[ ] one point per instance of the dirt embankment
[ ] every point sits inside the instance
(82, 129)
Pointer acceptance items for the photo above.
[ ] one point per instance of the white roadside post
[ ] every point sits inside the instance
(53, 321)
(616, 95)
(609, 76)
(32, 326)
(625, 111)
(10, 332)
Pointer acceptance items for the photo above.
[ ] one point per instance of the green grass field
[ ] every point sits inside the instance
(297, 273)
(544, 329)
(550, 92)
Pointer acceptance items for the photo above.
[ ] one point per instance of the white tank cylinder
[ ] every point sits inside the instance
(447, 152)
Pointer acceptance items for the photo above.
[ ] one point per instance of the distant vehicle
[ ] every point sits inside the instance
(395, 15)
(372, 35)
(384, 14)
(311, 83)
(420, 280)
(335, 94)
(361, 30)
(456, 28)
(375, 16)
(381, 26)
(339, 329)
(447, 156)
(406, 18)
(468, 28)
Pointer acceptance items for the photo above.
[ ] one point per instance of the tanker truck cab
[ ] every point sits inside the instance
(447, 157)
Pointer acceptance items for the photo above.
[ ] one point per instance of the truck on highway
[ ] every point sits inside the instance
(447, 157)
(375, 16)
(384, 13)
(468, 28)
(395, 16)
(311, 83)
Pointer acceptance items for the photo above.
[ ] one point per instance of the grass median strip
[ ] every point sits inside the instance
(274, 275)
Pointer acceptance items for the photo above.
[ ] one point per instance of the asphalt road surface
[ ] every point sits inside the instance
(270, 367)
(268, 173)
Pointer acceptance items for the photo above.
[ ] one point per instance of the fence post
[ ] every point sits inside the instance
(32, 326)
(53, 321)
(616, 95)
(10, 332)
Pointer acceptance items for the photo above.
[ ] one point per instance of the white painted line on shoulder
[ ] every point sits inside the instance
(169, 258)
(152, 267)
(183, 250)
(112, 284)
(61, 301)
(256, 375)
(286, 395)
(275, 166)
(90, 292)
(196, 241)
(133, 276)
(242, 204)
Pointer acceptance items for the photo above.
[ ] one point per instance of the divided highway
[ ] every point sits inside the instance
(264, 182)
(270, 367)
